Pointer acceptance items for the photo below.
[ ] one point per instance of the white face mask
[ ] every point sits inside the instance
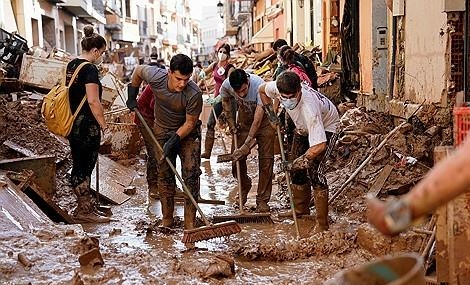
(290, 103)
(221, 56)
(98, 61)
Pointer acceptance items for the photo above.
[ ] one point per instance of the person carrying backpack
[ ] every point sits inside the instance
(85, 135)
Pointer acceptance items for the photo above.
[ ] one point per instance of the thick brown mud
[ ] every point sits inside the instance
(135, 250)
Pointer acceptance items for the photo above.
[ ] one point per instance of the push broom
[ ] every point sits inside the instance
(244, 218)
(209, 231)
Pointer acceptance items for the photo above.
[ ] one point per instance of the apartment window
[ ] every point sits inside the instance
(128, 8)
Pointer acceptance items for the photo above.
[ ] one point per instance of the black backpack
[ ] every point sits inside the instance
(309, 68)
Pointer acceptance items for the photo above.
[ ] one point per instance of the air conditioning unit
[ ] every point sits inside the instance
(453, 5)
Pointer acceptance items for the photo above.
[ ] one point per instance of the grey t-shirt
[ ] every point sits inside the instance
(251, 100)
(171, 107)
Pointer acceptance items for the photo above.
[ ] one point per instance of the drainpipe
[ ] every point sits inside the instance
(391, 81)
(465, 53)
(312, 24)
(291, 22)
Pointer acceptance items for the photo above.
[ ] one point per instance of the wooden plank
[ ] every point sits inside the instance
(380, 181)
(442, 238)
(18, 212)
(113, 179)
(44, 169)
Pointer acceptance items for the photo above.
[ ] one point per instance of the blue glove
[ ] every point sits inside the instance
(172, 145)
(132, 92)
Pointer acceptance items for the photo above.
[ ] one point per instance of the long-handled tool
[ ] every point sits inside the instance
(289, 189)
(243, 217)
(208, 231)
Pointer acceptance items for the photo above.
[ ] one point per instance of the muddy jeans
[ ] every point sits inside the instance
(264, 139)
(152, 154)
(84, 139)
(314, 174)
(190, 156)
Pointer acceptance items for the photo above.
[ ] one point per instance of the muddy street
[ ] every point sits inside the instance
(134, 249)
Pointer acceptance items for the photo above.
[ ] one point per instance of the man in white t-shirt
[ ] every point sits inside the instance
(316, 120)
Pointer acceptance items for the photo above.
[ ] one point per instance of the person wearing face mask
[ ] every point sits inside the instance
(220, 70)
(316, 120)
(85, 136)
(252, 124)
(176, 126)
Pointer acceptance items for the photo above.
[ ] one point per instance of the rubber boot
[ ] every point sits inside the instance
(189, 215)
(321, 205)
(208, 144)
(85, 211)
(168, 208)
(302, 195)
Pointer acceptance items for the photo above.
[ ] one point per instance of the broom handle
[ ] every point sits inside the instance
(185, 188)
(239, 178)
(289, 190)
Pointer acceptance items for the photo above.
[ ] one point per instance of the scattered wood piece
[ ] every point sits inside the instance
(380, 181)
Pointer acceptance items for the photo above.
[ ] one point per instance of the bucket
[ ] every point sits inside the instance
(405, 269)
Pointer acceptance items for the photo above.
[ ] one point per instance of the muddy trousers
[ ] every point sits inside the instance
(264, 139)
(210, 133)
(312, 176)
(152, 155)
(190, 156)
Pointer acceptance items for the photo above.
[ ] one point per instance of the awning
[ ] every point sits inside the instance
(265, 35)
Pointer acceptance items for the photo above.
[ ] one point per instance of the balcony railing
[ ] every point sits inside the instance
(85, 9)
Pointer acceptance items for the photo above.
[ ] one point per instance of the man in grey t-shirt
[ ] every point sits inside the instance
(178, 104)
(252, 125)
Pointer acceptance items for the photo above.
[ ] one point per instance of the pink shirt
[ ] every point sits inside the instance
(219, 79)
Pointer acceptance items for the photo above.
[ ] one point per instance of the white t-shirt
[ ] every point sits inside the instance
(314, 114)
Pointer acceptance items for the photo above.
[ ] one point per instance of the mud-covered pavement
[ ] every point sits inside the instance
(136, 251)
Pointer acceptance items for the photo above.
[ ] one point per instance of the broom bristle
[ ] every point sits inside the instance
(224, 158)
(210, 232)
(245, 219)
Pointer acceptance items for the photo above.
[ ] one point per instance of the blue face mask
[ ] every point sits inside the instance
(290, 103)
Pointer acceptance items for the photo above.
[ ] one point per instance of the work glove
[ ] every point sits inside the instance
(202, 74)
(244, 150)
(132, 92)
(172, 145)
(301, 162)
(273, 119)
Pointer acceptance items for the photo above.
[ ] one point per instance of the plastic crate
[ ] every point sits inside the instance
(461, 124)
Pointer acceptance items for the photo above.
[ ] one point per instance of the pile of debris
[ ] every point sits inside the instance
(265, 63)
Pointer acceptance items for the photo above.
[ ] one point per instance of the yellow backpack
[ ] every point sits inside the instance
(56, 107)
